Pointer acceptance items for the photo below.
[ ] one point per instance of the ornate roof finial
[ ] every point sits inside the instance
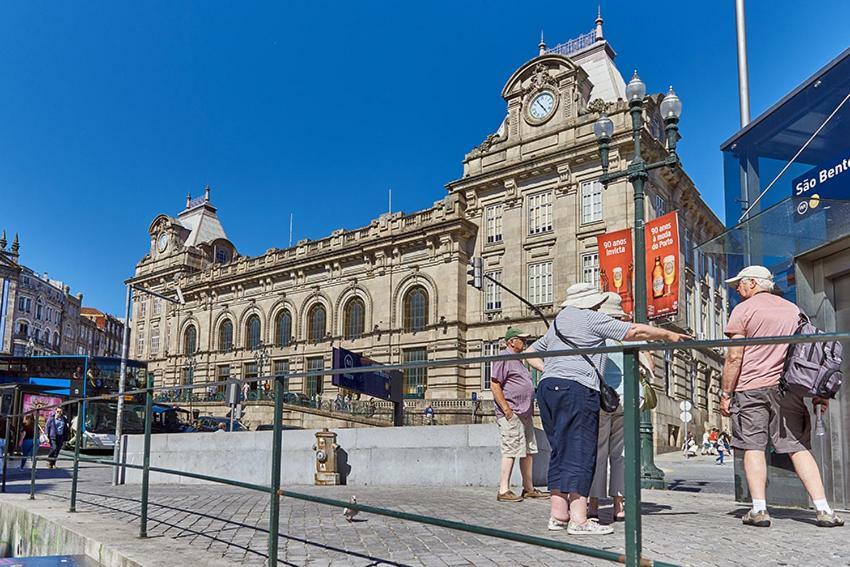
(3, 240)
(542, 44)
(207, 194)
(16, 244)
(188, 199)
(599, 36)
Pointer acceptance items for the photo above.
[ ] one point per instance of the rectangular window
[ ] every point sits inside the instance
(540, 283)
(143, 306)
(590, 268)
(540, 213)
(157, 306)
(313, 384)
(21, 304)
(493, 223)
(222, 373)
(703, 319)
(489, 349)
(591, 202)
(38, 311)
(415, 379)
(250, 371)
(689, 309)
(281, 370)
(659, 204)
(140, 342)
(154, 350)
(492, 292)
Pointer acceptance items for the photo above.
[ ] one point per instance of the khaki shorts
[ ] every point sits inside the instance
(517, 436)
(765, 415)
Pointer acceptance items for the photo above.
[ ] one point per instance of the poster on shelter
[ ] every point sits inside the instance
(662, 266)
(36, 402)
(616, 266)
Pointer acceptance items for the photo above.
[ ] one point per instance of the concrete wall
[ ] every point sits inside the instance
(451, 455)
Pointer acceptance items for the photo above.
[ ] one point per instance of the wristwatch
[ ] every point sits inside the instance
(726, 395)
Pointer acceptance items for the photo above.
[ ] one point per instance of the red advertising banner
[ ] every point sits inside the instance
(662, 266)
(36, 402)
(616, 266)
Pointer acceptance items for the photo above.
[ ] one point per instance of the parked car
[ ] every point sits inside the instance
(208, 423)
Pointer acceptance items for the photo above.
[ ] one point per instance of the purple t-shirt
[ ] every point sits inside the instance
(515, 380)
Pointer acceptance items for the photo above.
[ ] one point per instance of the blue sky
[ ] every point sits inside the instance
(112, 111)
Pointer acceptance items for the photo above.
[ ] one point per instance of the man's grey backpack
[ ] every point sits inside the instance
(812, 369)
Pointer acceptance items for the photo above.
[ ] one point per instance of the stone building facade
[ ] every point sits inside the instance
(528, 203)
(107, 334)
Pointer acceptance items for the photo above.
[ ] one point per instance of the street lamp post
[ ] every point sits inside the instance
(261, 355)
(637, 174)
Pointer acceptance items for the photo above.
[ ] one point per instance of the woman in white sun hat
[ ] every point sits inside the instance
(610, 442)
(568, 397)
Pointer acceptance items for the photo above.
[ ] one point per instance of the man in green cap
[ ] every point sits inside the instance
(513, 393)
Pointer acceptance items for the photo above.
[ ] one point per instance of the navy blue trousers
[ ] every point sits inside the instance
(570, 415)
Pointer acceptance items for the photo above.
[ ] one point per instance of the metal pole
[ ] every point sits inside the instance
(6, 451)
(146, 459)
(277, 439)
(653, 477)
(119, 412)
(32, 472)
(81, 412)
(631, 385)
(743, 72)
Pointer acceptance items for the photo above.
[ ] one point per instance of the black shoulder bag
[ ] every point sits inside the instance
(609, 399)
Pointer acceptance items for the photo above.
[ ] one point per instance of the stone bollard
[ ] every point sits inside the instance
(326, 465)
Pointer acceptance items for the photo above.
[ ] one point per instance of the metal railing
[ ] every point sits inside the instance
(633, 555)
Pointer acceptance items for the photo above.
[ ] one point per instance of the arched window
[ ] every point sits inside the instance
(415, 309)
(283, 328)
(56, 339)
(252, 332)
(190, 340)
(316, 323)
(354, 318)
(225, 336)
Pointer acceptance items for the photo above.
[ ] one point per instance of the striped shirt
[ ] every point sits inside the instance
(586, 329)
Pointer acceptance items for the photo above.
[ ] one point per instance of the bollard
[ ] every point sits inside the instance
(277, 439)
(6, 450)
(81, 421)
(146, 459)
(631, 405)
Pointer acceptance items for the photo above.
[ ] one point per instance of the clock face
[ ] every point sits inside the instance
(541, 105)
(162, 242)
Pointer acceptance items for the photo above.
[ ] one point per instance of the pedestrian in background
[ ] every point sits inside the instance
(58, 431)
(513, 396)
(568, 397)
(750, 393)
(27, 440)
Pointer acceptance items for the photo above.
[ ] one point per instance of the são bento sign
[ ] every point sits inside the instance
(830, 181)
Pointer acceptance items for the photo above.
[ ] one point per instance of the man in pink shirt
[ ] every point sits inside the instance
(761, 413)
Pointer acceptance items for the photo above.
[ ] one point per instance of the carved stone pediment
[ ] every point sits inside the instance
(541, 78)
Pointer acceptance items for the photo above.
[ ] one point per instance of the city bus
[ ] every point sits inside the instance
(31, 382)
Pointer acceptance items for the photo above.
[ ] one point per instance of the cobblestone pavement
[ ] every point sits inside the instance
(681, 527)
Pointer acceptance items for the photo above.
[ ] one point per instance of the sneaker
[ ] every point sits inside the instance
(590, 527)
(833, 520)
(534, 493)
(759, 519)
(508, 496)
(557, 525)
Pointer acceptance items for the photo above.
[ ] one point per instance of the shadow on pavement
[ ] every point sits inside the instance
(154, 522)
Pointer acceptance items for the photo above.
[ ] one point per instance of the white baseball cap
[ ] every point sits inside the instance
(759, 272)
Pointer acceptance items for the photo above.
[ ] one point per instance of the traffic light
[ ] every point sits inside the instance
(475, 272)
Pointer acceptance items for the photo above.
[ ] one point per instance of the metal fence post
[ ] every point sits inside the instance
(146, 459)
(274, 493)
(80, 427)
(631, 385)
(6, 450)
(32, 473)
